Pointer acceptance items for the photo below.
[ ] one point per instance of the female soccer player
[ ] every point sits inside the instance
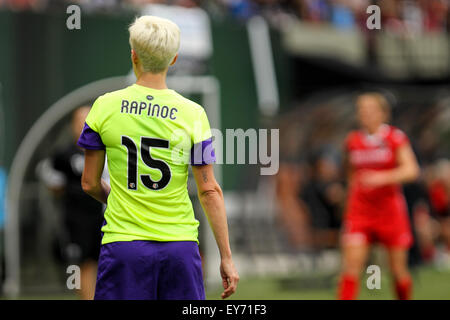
(151, 134)
(379, 160)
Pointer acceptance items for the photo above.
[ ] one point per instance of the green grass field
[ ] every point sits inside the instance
(428, 284)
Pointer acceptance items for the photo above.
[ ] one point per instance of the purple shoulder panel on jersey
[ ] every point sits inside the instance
(89, 139)
(203, 153)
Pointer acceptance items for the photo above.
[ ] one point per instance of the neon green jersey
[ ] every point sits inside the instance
(150, 138)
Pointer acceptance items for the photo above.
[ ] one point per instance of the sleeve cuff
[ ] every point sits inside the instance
(203, 153)
(89, 139)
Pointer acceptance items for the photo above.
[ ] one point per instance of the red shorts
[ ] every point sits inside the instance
(387, 224)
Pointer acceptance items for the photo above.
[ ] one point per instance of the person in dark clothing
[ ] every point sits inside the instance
(82, 215)
(324, 196)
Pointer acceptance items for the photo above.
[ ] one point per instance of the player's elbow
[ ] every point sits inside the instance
(414, 172)
(88, 186)
(211, 199)
(209, 192)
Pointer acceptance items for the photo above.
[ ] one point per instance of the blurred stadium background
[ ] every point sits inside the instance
(295, 65)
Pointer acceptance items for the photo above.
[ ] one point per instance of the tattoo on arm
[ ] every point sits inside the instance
(205, 176)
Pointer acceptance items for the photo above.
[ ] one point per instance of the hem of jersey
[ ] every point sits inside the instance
(110, 239)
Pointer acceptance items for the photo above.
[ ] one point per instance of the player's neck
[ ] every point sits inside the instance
(372, 131)
(152, 80)
(375, 130)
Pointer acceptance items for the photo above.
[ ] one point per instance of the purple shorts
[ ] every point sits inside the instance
(150, 270)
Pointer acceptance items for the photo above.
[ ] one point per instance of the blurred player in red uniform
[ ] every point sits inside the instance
(379, 160)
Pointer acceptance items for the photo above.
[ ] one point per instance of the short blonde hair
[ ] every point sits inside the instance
(380, 99)
(156, 42)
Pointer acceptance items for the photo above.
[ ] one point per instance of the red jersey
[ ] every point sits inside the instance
(373, 152)
(376, 214)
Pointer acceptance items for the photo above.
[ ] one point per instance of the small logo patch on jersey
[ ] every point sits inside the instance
(155, 186)
(132, 185)
(149, 97)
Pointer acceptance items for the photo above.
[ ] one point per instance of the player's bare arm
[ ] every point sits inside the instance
(91, 180)
(211, 198)
(406, 171)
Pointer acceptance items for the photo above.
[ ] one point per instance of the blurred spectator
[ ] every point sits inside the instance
(22, 4)
(241, 9)
(82, 215)
(310, 193)
(315, 11)
(439, 193)
(435, 14)
(342, 15)
(413, 17)
(399, 16)
(324, 196)
(293, 213)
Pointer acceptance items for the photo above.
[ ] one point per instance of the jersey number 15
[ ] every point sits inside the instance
(146, 144)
